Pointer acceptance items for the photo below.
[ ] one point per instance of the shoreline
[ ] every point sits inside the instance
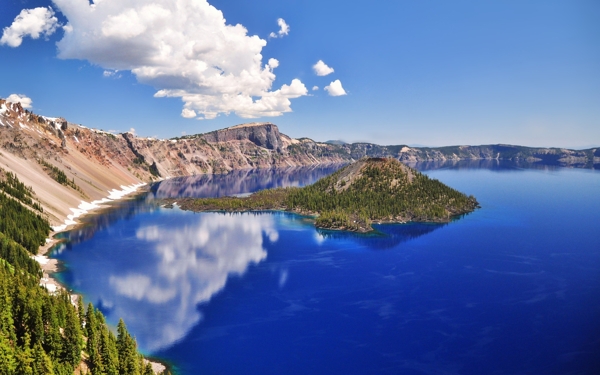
(48, 265)
(170, 203)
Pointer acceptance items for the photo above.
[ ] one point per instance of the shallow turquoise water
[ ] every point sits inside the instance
(513, 288)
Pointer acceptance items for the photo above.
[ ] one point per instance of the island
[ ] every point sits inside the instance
(370, 190)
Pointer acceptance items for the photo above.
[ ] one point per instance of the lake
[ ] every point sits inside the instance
(513, 288)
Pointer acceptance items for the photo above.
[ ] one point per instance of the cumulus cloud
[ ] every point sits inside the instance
(30, 22)
(315, 88)
(188, 113)
(335, 88)
(19, 98)
(321, 69)
(284, 29)
(184, 49)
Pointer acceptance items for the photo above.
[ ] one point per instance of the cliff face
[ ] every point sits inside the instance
(240, 147)
(262, 134)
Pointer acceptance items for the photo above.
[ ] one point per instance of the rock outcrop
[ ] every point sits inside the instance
(262, 134)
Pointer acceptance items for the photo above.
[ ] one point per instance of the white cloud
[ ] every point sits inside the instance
(30, 22)
(188, 113)
(315, 88)
(111, 73)
(184, 49)
(335, 88)
(284, 29)
(19, 98)
(321, 69)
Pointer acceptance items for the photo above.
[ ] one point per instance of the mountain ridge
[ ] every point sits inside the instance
(67, 164)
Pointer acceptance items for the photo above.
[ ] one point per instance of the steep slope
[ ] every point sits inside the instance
(64, 164)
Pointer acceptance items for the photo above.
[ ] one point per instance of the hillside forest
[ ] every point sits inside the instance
(43, 333)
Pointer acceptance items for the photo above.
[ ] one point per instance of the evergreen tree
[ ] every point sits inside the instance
(128, 357)
(41, 365)
(109, 354)
(80, 311)
(148, 369)
(71, 350)
(95, 362)
(24, 357)
(7, 356)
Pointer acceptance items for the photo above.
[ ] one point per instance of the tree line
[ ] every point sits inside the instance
(59, 176)
(10, 184)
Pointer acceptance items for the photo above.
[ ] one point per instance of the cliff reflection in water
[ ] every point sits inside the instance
(240, 182)
(153, 266)
(200, 186)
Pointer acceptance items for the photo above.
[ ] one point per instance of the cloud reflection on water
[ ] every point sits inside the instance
(192, 264)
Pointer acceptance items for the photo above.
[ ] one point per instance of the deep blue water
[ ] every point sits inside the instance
(513, 288)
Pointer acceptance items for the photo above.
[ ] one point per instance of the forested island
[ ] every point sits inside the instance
(43, 333)
(370, 190)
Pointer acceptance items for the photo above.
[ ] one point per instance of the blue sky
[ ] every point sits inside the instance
(413, 72)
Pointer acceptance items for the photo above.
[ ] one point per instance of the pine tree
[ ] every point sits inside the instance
(80, 311)
(41, 365)
(71, 350)
(128, 356)
(108, 351)
(24, 358)
(95, 362)
(7, 356)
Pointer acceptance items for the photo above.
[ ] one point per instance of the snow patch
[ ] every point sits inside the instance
(85, 207)
(76, 139)
(41, 259)
(48, 284)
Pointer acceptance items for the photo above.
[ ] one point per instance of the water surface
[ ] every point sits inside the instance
(513, 288)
